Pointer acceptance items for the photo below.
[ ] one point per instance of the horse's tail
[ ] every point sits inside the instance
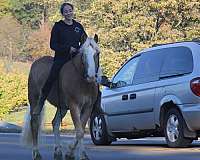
(26, 137)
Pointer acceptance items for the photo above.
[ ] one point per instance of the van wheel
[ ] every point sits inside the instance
(98, 130)
(173, 129)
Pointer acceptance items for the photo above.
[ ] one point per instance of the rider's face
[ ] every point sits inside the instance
(68, 12)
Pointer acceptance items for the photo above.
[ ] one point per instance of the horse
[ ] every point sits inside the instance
(76, 90)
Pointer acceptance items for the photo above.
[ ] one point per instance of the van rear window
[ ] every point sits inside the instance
(178, 60)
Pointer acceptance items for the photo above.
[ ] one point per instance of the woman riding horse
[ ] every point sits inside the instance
(77, 90)
(65, 41)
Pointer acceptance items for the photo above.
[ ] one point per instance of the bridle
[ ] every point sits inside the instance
(85, 75)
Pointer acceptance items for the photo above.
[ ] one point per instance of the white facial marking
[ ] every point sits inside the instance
(90, 60)
(89, 48)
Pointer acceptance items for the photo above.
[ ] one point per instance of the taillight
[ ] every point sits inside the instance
(195, 86)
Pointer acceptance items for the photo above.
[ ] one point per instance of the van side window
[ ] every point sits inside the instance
(178, 61)
(149, 67)
(126, 73)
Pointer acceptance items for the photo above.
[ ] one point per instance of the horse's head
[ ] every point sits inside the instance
(91, 51)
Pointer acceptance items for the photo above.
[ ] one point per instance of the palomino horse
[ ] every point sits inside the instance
(77, 91)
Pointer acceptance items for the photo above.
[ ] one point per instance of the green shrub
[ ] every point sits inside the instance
(112, 61)
(13, 91)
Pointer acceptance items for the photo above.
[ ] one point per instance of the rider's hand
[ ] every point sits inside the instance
(105, 81)
(73, 50)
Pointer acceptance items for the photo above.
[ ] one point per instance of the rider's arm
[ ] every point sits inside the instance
(54, 41)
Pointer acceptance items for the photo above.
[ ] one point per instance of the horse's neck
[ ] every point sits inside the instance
(74, 82)
(78, 64)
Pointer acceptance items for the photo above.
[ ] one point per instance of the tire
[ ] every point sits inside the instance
(98, 130)
(174, 129)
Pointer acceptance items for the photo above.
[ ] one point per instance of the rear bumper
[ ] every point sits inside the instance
(191, 114)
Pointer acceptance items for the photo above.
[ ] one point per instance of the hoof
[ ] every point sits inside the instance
(69, 157)
(37, 157)
(58, 153)
(85, 156)
(58, 156)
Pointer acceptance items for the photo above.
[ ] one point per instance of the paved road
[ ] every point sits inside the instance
(141, 149)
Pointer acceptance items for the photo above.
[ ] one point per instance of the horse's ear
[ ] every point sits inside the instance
(96, 38)
(83, 38)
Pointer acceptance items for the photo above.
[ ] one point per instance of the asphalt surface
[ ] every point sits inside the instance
(140, 149)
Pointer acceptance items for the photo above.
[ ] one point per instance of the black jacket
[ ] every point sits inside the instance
(64, 36)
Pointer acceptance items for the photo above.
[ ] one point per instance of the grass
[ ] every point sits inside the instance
(66, 127)
(18, 119)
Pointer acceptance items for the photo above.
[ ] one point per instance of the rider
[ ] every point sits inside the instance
(65, 41)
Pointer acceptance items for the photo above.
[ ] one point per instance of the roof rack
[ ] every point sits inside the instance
(155, 45)
(197, 40)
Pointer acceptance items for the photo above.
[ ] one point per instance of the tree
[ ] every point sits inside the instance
(38, 42)
(4, 7)
(33, 13)
(10, 35)
(129, 25)
(124, 26)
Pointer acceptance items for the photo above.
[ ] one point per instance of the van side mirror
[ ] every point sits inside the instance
(106, 82)
(118, 84)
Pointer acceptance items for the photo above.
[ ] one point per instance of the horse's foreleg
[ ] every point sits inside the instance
(77, 145)
(85, 114)
(56, 125)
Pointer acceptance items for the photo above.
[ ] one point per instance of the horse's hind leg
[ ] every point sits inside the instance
(35, 123)
(56, 125)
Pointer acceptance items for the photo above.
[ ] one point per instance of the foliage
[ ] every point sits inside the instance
(10, 35)
(124, 27)
(111, 61)
(13, 88)
(33, 13)
(4, 8)
(38, 42)
(13, 91)
(130, 25)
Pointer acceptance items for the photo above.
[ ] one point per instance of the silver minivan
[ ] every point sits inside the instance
(156, 93)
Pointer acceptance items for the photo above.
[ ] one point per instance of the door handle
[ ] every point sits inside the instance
(133, 96)
(124, 97)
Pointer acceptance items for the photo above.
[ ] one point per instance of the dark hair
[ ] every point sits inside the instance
(65, 4)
